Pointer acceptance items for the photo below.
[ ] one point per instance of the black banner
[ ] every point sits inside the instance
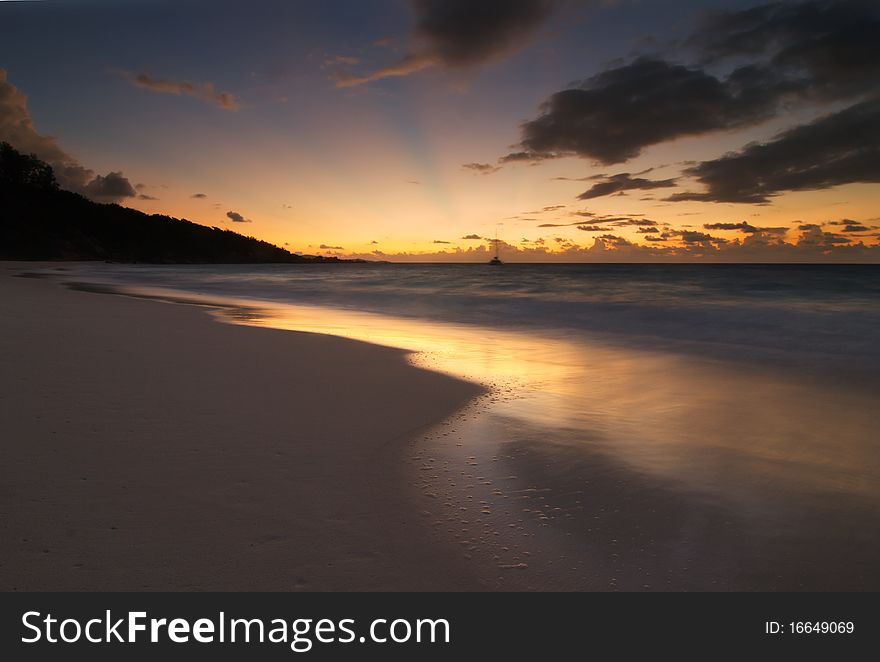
(278, 626)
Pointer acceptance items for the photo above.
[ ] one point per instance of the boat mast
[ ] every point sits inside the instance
(497, 258)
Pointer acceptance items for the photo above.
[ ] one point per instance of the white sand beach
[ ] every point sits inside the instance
(148, 447)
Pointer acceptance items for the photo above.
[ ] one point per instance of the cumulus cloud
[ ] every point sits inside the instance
(611, 241)
(840, 148)
(472, 236)
(235, 217)
(199, 196)
(817, 238)
(814, 246)
(112, 187)
(461, 33)
(325, 247)
(203, 91)
(624, 182)
(17, 128)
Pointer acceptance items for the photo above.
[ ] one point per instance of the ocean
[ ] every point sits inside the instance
(645, 427)
(820, 310)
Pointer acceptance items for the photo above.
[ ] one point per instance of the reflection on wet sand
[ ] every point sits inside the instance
(592, 465)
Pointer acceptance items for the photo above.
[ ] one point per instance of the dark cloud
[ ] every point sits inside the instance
(694, 237)
(850, 225)
(325, 247)
(607, 241)
(648, 230)
(527, 157)
(565, 225)
(624, 182)
(461, 33)
(202, 91)
(464, 32)
(144, 196)
(235, 217)
(547, 210)
(817, 238)
(591, 178)
(815, 51)
(440, 241)
(665, 247)
(482, 168)
(17, 128)
(830, 48)
(200, 196)
(840, 148)
(639, 222)
(612, 116)
(112, 188)
(472, 236)
(618, 221)
(744, 227)
(591, 228)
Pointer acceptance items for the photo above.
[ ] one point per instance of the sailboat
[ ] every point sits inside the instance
(496, 259)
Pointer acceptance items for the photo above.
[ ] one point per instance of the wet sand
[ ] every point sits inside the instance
(647, 472)
(594, 464)
(148, 447)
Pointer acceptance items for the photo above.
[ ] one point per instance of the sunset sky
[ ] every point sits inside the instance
(416, 129)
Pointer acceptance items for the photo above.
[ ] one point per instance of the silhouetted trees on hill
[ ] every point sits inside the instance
(39, 221)
(18, 169)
